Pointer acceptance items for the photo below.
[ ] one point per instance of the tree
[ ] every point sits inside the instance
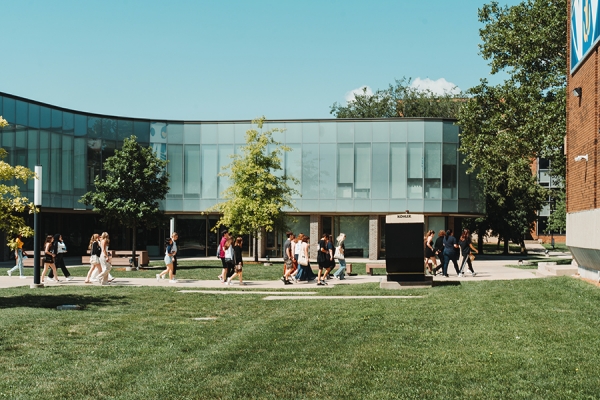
(399, 100)
(11, 202)
(258, 194)
(507, 126)
(128, 194)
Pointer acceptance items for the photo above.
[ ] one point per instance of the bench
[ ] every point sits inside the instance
(28, 262)
(121, 257)
(371, 267)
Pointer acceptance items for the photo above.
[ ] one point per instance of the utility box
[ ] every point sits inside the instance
(404, 248)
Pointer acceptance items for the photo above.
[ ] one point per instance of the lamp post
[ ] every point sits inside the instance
(37, 202)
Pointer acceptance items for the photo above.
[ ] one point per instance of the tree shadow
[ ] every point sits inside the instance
(55, 300)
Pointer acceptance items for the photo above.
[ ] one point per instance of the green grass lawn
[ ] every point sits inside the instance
(494, 339)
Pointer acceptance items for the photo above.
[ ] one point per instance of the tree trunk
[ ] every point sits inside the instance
(506, 242)
(255, 246)
(480, 240)
(133, 246)
(523, 248)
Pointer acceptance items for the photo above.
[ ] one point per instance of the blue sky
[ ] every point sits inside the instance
(231, 60)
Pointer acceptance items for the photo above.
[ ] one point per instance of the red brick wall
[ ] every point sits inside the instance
(582, 132)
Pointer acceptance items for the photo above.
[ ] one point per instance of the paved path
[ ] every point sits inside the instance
(492, 268)
(486, 270)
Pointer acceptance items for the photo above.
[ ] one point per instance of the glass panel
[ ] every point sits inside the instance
(433, 171)
(299, 224)
(416, 131)
(327, 171)
(191, 133)
(67, 163)
(109, 128)
(293, 166)
(158, 139)
(310, 132)
(209, 171)
(192, 171)
(175, 133)
(356, 229)
(293, 133)
(22, 113)
(449, 168)
(380, 180)
(45, 160)
(381, 131)
(57, 120)
(32, 154)
(9, 110)
(362, 174)
(141, 129)
(55, 167)
(310, 171)
(345, 171)
(34, 116)
(345, 132)
(327, 132)
(79, 165)
(398, 170)
(433, 131)
(94, 127)
(345, 163)
(45, 118)
(464, 191)
(226, 133)
(124, 129)
(209, 134)
(362, 131)
(415, 160)
(80, 125)
(225, 152)
(175, 168)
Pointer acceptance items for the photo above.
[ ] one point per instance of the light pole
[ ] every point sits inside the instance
(37, 202)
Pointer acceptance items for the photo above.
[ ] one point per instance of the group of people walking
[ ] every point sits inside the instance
(448, 249)
(100, 265)
(54, 252)
(297, 260)
(230, 253)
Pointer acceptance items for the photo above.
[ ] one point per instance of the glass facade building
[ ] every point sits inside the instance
(351, 173)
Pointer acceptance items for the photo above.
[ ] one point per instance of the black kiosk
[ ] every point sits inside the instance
(404, 255)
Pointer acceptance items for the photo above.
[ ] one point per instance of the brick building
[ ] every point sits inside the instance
(583, 130)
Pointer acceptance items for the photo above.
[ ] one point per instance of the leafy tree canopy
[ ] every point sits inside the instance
(134, 181)
(399, 100)
(259, 193)
(11, 202)
(507, 126)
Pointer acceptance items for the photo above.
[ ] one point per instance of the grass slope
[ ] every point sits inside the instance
(495, 339)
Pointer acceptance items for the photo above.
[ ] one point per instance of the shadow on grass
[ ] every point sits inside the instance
(55, 300)
(446, 283)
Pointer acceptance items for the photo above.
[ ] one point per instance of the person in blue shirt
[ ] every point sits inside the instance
(450, 252)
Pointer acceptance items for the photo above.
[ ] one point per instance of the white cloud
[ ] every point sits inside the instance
(350, 95)
(438, 87)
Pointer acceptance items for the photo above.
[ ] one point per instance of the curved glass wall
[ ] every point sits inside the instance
(343, 166)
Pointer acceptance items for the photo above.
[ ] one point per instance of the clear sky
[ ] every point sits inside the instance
(231, 59)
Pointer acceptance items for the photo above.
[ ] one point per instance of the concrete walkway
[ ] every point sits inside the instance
(487, 268)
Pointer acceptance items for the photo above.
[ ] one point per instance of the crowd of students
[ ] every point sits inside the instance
(448, 249)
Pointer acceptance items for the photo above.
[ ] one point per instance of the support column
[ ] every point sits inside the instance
(373, 237)
(314, 235)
